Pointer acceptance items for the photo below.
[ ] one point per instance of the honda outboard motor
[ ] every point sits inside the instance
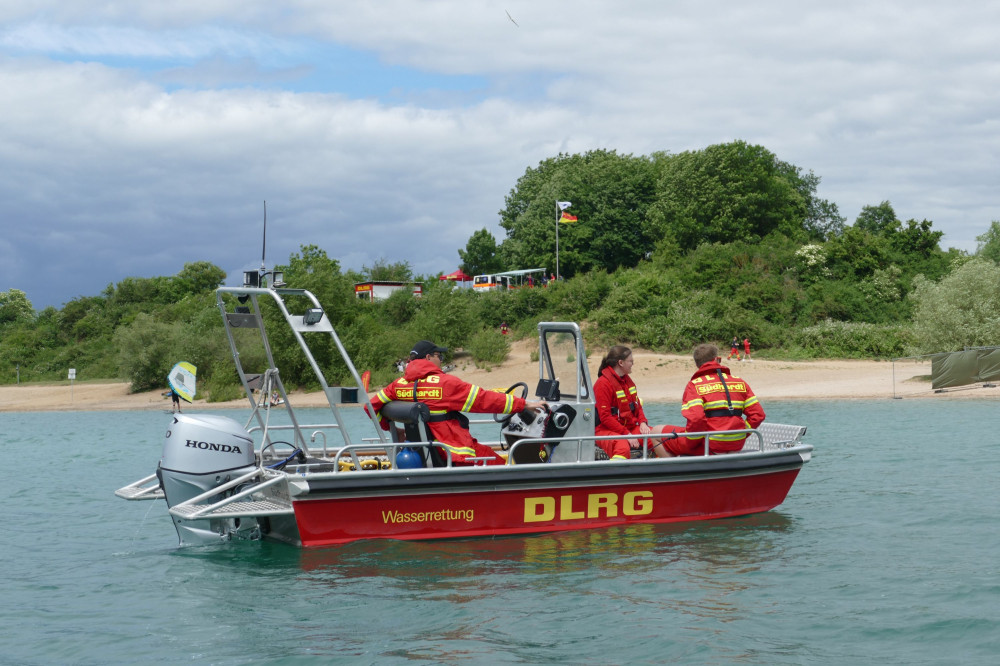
(202, 452)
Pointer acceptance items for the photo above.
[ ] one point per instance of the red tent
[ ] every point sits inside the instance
(457, 276)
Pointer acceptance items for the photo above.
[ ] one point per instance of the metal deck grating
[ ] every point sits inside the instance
(778, 436)
(236, 509)
(138, 493)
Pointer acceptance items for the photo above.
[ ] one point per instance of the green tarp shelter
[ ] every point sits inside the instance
(971, 366)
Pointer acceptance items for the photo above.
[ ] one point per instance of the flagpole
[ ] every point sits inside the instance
(558, 211)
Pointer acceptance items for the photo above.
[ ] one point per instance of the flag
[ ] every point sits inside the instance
(566, 217)
(563, 205)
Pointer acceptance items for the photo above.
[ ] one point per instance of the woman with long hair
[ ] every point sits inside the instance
(619, 410)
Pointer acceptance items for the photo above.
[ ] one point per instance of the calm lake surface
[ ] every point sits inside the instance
(886, 551)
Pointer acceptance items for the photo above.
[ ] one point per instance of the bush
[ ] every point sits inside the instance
(836, 339)
(488, 347)
(147, 349)
(962, 310)
(222, 387)
(576, 299)
(376, 347)
(446, 317)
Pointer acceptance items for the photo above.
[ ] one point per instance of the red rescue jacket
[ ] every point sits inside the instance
(707, 407)
(619, 410)
(446, 395)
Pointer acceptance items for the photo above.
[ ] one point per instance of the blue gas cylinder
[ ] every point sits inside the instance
(408, 459)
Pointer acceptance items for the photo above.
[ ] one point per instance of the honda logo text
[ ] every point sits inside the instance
(212, 446)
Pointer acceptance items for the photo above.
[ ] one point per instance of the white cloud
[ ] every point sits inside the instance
(109, 170)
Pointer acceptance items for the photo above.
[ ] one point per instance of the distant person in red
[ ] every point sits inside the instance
(715, 400)
(734, 349)
(619, 410)
(447, 397)
(503, 328)
(746, 349)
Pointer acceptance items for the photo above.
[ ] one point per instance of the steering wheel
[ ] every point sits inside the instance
(504, 419)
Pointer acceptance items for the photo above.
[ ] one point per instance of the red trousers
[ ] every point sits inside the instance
(619, 449)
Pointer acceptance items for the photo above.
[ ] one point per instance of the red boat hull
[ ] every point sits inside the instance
(336, 518)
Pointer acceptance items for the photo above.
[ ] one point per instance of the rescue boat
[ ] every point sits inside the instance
(280, 478)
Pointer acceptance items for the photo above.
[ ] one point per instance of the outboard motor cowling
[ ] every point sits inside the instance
(204, 443)
(201, 452)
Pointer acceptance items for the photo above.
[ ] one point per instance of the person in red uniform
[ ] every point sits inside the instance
(447, 396)
(715, 400)
(619, 410)
(746, 349)
(734, 349)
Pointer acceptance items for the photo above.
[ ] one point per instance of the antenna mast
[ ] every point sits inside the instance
(263, 249)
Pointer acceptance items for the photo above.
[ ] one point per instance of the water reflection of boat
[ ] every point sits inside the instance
(743, 541)
(287, 482)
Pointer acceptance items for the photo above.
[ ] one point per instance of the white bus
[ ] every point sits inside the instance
(529, 277)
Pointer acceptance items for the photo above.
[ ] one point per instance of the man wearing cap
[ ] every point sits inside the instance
(447, 397)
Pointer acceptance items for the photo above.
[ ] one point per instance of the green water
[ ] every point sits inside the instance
(886, 551)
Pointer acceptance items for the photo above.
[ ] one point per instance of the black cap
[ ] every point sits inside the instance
(425, 347)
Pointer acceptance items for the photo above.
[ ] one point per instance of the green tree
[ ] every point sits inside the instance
(727, 192)
(988, 245)
(86, 309)
(857, 253)
(314, 270)
(823, 219)
(916, 239)
(480, 254)
(879, 220)
(610, 194)
(447, 317)
(878, 240)
(199, 277)
(134, 291)
(384, 271)
(15, 307)
(962, 310)
(147, 349)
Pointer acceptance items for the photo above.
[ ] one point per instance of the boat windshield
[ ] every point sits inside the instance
(562, 353)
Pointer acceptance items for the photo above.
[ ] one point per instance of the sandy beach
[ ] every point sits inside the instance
(660, 378)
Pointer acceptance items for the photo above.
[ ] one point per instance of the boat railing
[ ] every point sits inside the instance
(317, 429)
(767, 438)
(581, 452)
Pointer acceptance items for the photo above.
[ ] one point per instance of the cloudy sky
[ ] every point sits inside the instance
(136, 137)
